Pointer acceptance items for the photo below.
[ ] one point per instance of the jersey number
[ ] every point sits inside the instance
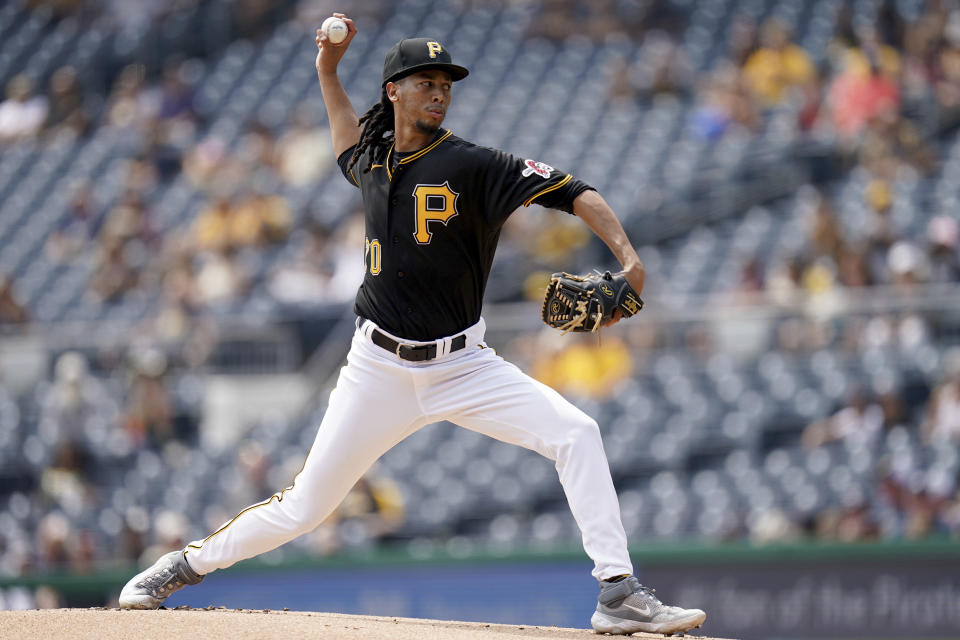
(435, 202)
(372, 248)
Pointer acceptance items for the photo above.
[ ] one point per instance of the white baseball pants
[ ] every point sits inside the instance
(381, 399)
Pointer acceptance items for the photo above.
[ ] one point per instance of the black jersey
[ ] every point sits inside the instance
(433, 219)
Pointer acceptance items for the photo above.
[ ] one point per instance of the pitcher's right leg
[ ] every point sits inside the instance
(372, 408)
(483, 392)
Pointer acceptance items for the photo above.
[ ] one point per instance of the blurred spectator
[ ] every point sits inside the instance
(908, 332)
(846, 523)
(141, 179)
(303, 151)
(256, 219)
(890, 25)
(219, 278)
(67, 103)
(164, 148)
(852, 270)
(377, 501)
(178, 323)
(22, 114)
(942, 235)
(300, 281)
(541, 237)
(260, 219)
(11, 310)
(892, 404)
(824, 229)
(372, 510)
(880, 234)
(305, 278)
(254, 466)
(53, 533)
(743, 40)
(820, 276)
(65, 480)
(865, 88)
(73, 402)
(175, 93)
(575, 363)
(778, 66)
(246, 228)
(204, 161)
(907, 264)
(751, 278)
(723, 105)
(130, 543)
(556, 240)
(170, 530)
(256, 155)
(73, 235)
(129, 222)
(61, 547)
(559, 19)
(857, 423)
(947, 83)
(784, 280)
(663, 67)
(128, 105)
(253, 17)
(942, 420)
(344, 246)
(211, 228)
(113, 274)
(621, 83)
(889, 141)
(175, 271)
(772, 526)
(915, 508)
(148, 417)
(922, 41)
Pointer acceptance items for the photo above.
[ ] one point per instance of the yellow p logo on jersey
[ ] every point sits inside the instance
(434, 48)
(435, 202)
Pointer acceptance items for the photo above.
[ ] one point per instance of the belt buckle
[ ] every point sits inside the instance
(401, 345)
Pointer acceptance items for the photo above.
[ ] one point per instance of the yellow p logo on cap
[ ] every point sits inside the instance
(434, 48)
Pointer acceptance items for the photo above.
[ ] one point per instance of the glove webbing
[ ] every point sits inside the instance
(579, 315)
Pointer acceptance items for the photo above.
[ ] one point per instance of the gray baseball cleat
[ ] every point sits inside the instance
(627, 607)
(148, 589)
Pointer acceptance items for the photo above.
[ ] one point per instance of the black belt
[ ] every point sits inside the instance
(414, 352)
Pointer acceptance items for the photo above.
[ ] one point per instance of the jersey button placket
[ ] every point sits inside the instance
(392, 203)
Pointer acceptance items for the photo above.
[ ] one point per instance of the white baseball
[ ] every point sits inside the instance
(335, 29)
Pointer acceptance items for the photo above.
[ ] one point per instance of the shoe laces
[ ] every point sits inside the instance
(159, 579)
(645, 592)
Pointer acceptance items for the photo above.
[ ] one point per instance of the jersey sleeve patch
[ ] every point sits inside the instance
(533, 167)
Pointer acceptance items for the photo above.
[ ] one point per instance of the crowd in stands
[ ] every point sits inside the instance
(878, 98)
(202, 265)
(872, 95)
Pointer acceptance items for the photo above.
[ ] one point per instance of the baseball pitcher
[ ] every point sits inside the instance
(434, 206)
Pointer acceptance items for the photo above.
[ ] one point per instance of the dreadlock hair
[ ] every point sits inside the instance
(377, 122)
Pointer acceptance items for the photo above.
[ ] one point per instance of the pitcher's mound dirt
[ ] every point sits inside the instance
(228, 624)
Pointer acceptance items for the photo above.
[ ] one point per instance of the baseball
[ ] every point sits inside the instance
(335, 29)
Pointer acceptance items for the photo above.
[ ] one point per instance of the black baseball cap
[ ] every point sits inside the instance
(414, 54)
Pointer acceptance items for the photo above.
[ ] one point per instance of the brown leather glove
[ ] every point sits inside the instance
(585, 303)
